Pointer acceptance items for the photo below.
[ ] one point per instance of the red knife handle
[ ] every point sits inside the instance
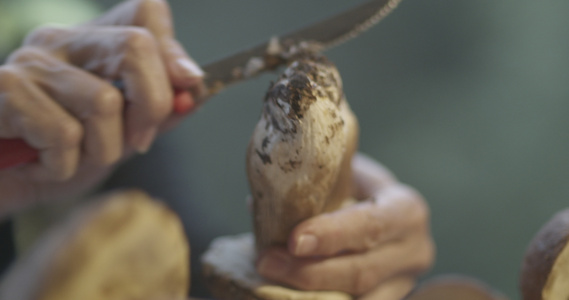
(184, 103)
(15, 152)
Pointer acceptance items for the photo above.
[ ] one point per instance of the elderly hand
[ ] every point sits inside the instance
(374, 249)
(55, 93)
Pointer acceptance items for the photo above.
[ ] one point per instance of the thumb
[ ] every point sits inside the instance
(395, 211)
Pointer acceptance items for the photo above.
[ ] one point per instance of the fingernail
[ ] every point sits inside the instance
(306, 245)
(273, 265)
(141, 141)
(190, 67)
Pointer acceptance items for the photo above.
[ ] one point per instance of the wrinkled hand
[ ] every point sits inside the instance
(56, 94)
(374, 249)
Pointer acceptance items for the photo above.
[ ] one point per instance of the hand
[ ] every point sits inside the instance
(374, 249)
(55, 93)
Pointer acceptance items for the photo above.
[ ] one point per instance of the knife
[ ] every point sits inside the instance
(249, 63)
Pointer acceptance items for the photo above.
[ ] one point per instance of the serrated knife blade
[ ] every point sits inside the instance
(323, 35)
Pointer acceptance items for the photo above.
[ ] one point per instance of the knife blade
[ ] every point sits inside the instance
(321, 35)
(249, 63)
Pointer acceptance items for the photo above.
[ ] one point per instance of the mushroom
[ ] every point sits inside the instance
(298, 166)
(122, 246)
(298, 159)
(545, 270)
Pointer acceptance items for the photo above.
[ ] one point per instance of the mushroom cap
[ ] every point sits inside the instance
(545, 270)
(123, 246)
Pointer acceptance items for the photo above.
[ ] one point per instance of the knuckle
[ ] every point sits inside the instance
(422, 258)
(70, 134)
(138, 41)
(419, 213)
(427, 256)
(11, 101)
(24, 55)
(421, 216)
(10, 77)
(108, 102)
(43, 35)
(375, 231)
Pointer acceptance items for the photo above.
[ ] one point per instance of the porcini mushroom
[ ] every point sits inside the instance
(298, 166)
(545, 270)
(123, 246)
(298, 160)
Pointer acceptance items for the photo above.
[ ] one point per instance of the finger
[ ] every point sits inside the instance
(369, 176)
(395, 212)
(155, 15)
(94, 102)
(355, 274)
(27, 112)
(393, 289)
(126, 53)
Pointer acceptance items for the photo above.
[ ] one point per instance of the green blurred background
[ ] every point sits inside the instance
(465, 100)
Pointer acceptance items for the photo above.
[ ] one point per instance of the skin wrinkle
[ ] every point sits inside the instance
(375, 232)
